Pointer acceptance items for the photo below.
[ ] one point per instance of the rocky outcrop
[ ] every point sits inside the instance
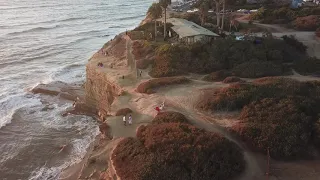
(100, 90)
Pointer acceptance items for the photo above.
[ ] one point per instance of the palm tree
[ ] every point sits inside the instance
(217, 4)
(155, 12)
(164, 4)
(203, 12)
(223, 10)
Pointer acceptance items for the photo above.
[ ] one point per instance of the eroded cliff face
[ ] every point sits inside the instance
(100, 90)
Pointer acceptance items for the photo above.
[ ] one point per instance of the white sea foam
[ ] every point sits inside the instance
(78, 151)
(11, 104)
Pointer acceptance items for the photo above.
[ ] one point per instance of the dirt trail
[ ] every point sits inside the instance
(183, 98)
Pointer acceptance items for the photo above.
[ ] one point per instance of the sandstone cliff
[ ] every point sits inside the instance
(102, 82)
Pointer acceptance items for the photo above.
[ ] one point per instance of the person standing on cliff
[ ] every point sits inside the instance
(124, 120)
(130, 119)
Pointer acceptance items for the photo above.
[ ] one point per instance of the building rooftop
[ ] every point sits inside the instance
(186, 28)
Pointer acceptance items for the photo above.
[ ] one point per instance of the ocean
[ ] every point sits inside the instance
(43, 41)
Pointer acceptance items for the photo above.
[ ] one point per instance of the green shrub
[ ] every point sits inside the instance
(176, 151)
(257, 69)
(150, 85)
(307, 23)
(123, 112)
(292, 41)
(283, 125)
(217, 76)
(310, 65)
(233, 79)
(237, 96)
(169, 117)
(172, 60)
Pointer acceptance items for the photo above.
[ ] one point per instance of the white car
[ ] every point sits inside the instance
(189, 11)
(210, 11)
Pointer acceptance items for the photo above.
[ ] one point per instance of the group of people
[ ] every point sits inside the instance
(100, 64)
(129, 120)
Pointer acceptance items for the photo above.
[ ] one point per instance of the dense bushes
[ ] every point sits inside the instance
(148, 29)
(123, 112)
(169, 117)
(143, 53)
(232, 79)
(150, 85)
(277, 113)
(307, 23)
(283, 125)
(238, 95)
(283, 15)
(292, 41)
(176, 151)
(174, 60)
(257, 69)
(217, 76)
(308, 66)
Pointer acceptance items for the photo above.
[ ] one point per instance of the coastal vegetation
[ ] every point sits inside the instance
(216, 76)
(241, 57)
(169, 117)
(310, 66)
(176, 151)
(276, 113)
(151, 85)
(302, 18)
(123, 112)
(233, 79)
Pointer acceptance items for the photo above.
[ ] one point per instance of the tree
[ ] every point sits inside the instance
(204, 7)
(224, 11)
(155, 12)
(164, 4)
(217, 4)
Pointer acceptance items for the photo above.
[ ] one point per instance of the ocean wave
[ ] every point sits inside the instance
(130, 17)
(72, 19)
(11, 104)
(35, 57)
(78, 152)
(37, 29)
(116, 26)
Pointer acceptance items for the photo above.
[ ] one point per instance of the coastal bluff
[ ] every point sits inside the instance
(103, 73)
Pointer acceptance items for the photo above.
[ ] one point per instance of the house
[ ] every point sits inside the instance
(190, 32)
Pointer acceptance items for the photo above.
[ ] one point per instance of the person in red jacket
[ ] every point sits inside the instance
(157, 109)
